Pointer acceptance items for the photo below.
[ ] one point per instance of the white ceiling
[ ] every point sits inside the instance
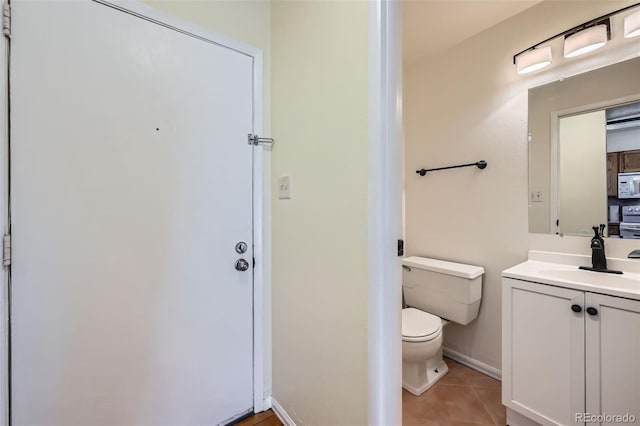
(432, 26)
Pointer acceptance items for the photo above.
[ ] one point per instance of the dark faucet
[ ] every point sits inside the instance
(598, 258)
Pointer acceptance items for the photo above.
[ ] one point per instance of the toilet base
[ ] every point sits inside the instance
(417, 377)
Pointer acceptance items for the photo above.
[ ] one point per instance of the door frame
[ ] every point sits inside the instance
(4, 207)
(386, 171)
(261, 278)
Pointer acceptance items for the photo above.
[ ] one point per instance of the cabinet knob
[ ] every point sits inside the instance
(592, 311)
(576, 308)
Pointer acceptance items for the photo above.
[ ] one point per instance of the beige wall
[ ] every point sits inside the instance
(602, 86)
(465, 105)
(320, 107)
(248, 21)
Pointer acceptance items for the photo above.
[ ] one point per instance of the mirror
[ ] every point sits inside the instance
(584, 153)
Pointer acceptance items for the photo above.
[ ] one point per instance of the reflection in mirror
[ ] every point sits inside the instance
(584, 153)
(582, 190)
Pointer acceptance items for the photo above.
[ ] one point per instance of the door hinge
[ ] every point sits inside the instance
(6, 250)
(6, 19)
(400, 248)
(256, 140)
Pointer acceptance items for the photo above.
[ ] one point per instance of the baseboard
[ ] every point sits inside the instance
(281, 414)
(267, 404)
(473, 363)
(516, 419)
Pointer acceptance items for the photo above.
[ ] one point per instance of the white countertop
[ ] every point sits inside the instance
(561, 270)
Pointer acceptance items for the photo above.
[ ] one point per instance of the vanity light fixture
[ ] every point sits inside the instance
(587, 39)
(632, 25)
(533, 60)
(578, 40)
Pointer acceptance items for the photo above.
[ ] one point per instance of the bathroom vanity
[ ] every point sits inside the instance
(570, 341)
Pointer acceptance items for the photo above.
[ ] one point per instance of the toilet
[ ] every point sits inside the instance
(435, 292)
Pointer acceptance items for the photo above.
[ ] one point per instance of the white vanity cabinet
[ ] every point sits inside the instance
(612, 356)
(567, 351)
(543, 344)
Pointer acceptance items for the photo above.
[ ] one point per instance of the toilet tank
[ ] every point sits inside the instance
(449, 290)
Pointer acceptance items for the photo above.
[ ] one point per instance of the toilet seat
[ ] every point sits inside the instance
(420, 326)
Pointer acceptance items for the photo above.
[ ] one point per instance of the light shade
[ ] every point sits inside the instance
(533, 60)
(632, 25)
(585, 41)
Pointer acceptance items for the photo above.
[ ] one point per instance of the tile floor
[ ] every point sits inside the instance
(462, 397)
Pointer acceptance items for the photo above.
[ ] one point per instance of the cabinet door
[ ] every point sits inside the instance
(543, 351)
(613, 357)
(612, 174)
(630, 161)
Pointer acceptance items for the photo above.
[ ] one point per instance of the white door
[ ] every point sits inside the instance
(613, 357)
(582, 173)
(131, 183)
(543, 351)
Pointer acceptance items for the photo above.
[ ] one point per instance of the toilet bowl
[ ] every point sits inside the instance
(422, 363)
(433, 289)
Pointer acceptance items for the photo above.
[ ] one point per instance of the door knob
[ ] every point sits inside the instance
(242, 265)
(576, 308)
(592, 311)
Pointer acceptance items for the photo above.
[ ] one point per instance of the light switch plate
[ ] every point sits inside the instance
(536, 196)
(284, 187)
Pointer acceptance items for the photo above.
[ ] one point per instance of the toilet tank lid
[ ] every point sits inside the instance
(444, 267)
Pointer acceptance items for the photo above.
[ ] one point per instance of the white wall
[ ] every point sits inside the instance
(320, 279)
(248, 21)
(465, 105)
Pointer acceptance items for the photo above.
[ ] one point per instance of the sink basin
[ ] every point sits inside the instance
(562, 270)
(627, 281)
